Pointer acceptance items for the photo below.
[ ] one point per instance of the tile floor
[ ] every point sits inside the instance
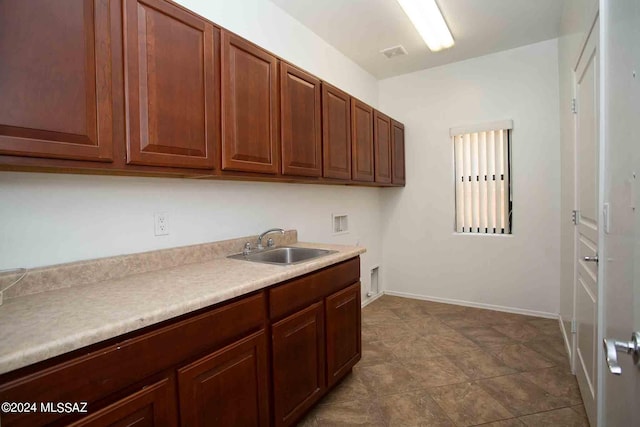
(432, 364)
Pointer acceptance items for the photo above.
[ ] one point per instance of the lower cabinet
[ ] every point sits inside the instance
(315, 337)
(152, 406)
(254, 361)
(298, 363)
(228, 387)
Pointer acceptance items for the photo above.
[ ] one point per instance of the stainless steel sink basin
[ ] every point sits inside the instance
(284, 255)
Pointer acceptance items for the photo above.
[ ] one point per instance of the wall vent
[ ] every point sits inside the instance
(374, 288)
(392, 52)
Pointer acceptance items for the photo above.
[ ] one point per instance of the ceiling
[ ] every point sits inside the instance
(362, 28)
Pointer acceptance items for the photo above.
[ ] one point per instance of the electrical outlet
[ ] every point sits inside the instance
(161, 224)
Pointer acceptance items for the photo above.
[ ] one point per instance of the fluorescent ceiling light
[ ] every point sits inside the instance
(426, 17)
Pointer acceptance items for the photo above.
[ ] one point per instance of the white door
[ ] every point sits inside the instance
(621, 403)
(587, 76)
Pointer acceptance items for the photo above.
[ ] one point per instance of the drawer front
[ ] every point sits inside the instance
(102, 372)
(154, 405)
(299, 293)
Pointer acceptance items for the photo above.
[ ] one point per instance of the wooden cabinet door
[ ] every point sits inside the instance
(300, 125)
(298, 363)
(336, 133)
(397, 153)
(55, 79)
(382, 147)
(249, 107)
(153, 406)
(172, 82)
(361, 141)
(343, 321)
(228, 387)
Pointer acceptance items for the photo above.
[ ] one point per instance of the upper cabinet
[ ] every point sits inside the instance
(55, 80)
(300, 122)
(382, 147)
(361, 141)
(172, 80)
(139, 87)
(336, 133)
(249, 107)
(397, 153)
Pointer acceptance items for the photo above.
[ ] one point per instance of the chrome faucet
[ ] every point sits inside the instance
(271, 230)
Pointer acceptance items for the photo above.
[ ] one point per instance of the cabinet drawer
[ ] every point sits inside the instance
(102, 372)
(299, 293)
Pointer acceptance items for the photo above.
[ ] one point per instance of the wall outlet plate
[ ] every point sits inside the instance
(161, 224)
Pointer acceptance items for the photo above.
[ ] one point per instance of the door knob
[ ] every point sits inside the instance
(591, 258)
(611, 347)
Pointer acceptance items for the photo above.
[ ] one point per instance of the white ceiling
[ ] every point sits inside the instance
(362, 28)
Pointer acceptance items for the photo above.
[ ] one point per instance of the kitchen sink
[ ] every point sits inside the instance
(285, 255)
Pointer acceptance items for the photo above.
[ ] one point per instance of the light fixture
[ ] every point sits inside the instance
(428, 20)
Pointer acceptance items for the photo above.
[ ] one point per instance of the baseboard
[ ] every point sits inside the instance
(514, 310)
(567, 342)
(369, 300)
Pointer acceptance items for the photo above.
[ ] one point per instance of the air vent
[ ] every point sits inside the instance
(394, 51)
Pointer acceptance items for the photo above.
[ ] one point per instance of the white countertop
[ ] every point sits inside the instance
(40, 326)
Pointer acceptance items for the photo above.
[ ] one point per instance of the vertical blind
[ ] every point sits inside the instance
(482, 170)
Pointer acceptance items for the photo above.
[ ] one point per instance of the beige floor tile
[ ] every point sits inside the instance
(556, 381)
(521, 396)
(354, 413)
(350, 388)
(492, 317)
(479, 364)
(440, 309)
(468, 404)
(416, 409)
(551, 348)
(564, 417)
(435, 372)
(485, 336)
(580, 410)
(368, 332)
(429, 325)
(391, 331)
(452, 343)
(383, 315)
(461, 319)
(387, 378)
(420, 356)
(520, 331)
(519, 357)
(375, 352)
(546, 326)
(413, 348)
(513, 422)
(409, 312)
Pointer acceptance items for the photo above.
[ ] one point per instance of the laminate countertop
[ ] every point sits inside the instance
(37, 327)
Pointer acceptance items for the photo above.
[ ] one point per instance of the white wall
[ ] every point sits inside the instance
(422, 255)
(265, 24)
(54, 218)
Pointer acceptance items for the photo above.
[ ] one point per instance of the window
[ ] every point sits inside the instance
(483, 178)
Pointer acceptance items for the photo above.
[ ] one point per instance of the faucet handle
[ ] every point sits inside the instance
(247, 249)
(270, 243)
